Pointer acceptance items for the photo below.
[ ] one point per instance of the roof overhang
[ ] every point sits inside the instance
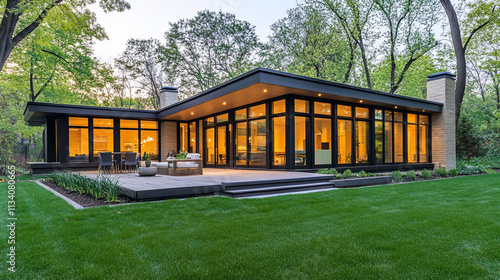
(261, 84)
(36, 113)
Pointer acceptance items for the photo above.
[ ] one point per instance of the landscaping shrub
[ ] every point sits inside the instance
(441, 172)
(397, 176)
(466, 169)
(426, 174)
(330, 171)
(453, 172)
(362, 174)
(412, 176)
(347, 174)
(99, 187)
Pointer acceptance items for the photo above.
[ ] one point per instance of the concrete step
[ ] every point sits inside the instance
(275, 183)
(268, 190)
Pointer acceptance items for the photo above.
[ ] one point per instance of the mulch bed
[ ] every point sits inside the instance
(86, 200)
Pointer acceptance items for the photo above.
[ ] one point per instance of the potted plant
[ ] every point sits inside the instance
(147, 170)
(181, 155)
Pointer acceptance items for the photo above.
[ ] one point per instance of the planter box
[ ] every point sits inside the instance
(147, 171)
(359, 182)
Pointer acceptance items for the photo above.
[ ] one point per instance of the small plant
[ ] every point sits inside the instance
(145, 156)
(397, 176)
(441, 172)
(338, 175)
(362, 174)
(330, 171)
(347, 174)
(426, 174)
(453, 172)
(148, 162)
(412, 176)
(181, 155)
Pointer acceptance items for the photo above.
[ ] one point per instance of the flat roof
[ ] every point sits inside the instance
(251, 87)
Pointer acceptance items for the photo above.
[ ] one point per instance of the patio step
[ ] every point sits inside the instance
(258, 188)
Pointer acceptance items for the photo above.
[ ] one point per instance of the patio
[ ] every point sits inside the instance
(213, 181)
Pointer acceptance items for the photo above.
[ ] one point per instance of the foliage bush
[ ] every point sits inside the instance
(426, 174)
(347, 174)
(453, 172)
(362, 174)
(330, 171)
(99, 187)
(465, 168)
(412, 176)
(397, 176)
(441, 172)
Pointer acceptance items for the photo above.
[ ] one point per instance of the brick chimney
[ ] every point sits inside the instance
(168, 96)
(441, 88)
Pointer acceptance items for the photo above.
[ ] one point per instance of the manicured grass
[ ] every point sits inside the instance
(443, 229)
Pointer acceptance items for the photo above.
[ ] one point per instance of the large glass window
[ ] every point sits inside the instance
(362, 113)
(322, 108)
(210, 134)
(424, 133)
(257, 155)
(240, 114)
(257, 111)
(149, 124)
(388, 142)
(149, 143)
(184, 137)
(129, 123)
(279, 106)
(200, 142)
(240, 156)
(222, 118)
(344, 111)
(362, 142)
(344, 140)
(301, 106)
(192, 137)
(103, 122)
(129, 140)
(103, 141)
(221, 145)
(279, 141)
(398, 144)
(74, 121)
(322, 141)
(301, 131)
(411, 138)
(379, 142)
(78, 144)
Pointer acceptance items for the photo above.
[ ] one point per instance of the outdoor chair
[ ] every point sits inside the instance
(105, 161)
(118, 162)
(130, 162)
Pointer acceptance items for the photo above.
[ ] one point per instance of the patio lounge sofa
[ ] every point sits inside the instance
(191, 165)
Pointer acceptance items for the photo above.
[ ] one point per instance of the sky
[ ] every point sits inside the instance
(150, 19)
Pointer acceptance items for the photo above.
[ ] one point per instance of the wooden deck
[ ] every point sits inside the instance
(211, 182)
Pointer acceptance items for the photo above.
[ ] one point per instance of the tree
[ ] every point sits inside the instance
(309, 43)
(482, 13)
(208, 49)
(354, 17)
(20, 18)
(409, 34)
(141, 59)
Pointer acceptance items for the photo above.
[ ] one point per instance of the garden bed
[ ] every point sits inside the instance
(86, 200)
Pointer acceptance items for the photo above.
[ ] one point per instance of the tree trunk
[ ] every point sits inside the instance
(459, 54)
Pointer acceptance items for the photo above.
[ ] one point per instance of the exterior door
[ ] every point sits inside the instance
(216, 146)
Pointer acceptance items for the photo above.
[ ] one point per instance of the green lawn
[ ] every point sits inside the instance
(442, 229)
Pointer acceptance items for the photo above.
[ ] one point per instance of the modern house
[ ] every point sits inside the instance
(263, 119)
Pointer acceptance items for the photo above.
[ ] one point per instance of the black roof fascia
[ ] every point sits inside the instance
(305, 83)
(51, 110)
(268, 76)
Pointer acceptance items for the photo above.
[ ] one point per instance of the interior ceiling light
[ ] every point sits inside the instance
(361, 101)
(395, 107)
(319, 94)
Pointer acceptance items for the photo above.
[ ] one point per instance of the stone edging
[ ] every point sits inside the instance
(71, 202)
